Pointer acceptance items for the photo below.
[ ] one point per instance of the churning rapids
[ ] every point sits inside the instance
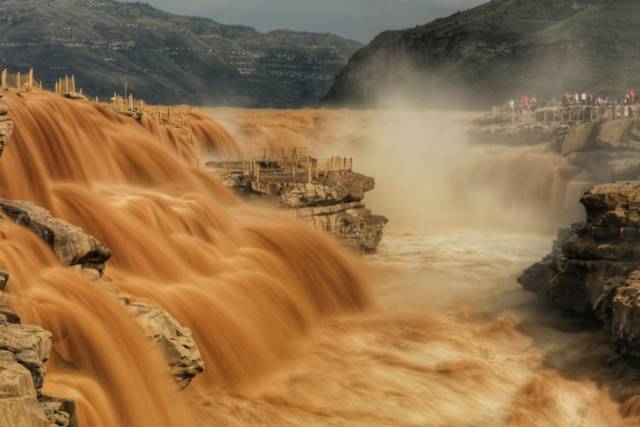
(294, 330)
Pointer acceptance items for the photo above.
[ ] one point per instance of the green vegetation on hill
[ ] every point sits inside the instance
(500, 50)
(165, 58)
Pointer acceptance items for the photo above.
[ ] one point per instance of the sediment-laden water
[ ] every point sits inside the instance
(293, 329)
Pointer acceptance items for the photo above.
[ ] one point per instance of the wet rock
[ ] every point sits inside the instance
(71, 245)
(29, 345)
(59, 412)
(337, 187)
(352, 224)
(6, 126)
(179, 347)
(24, 351)
(19, 405)
(4, 279)
(595, 267)
(331, 202)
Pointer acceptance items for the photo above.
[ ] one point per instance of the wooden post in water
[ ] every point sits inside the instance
(18, 85)
(30, 79)
(66, 84)
(5, 85)
(73, 83)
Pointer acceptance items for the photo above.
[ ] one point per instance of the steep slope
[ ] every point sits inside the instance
(500, 50)
(166, 58)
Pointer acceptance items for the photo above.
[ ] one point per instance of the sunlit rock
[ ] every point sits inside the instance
(70, 243)
(179, 347)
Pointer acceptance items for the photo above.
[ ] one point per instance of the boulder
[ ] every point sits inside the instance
(175, 340)
(70, 243)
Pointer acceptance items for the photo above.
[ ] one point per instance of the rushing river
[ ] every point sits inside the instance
(294, 330)
(453, 341)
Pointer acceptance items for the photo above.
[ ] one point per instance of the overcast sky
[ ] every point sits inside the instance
(357, 19)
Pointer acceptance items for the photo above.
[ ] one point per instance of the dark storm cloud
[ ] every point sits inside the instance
(358, 19)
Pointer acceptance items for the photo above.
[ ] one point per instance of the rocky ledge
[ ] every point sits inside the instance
(24, 351)
(71, 244)
(6, 125)
(180, 349)
(332, 202)
(594, 267)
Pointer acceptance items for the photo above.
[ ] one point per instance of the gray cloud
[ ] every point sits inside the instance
(357, 19)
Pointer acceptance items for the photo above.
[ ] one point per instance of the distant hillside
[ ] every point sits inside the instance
(165, 57)
(500, 50)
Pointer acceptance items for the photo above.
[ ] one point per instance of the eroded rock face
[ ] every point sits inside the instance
(24, 351)
(332, 203)
(19, 405)
(6, 125)
(29, 345)
(179, 347)
(70, 243)
(595, 267)
(352, 224)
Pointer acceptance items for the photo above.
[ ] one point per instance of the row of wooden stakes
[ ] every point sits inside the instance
(18, 81)
(137, 107)
(67, 85)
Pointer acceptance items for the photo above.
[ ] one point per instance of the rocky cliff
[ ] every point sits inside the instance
(594, 267)
(332, 202)
(106, 44)
(500, 50)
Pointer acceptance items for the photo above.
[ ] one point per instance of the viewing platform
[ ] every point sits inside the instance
(577, 113)
(324, 192)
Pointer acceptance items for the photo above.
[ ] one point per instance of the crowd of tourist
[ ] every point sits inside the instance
(570, 99)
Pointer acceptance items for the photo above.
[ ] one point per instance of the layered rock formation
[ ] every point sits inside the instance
(333, 203)
(179, 347)
(24, 351)
(6, 125)
(71, 245)
(595, 266)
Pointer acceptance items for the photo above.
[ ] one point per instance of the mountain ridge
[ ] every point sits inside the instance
(167, 58)
(497, 51)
